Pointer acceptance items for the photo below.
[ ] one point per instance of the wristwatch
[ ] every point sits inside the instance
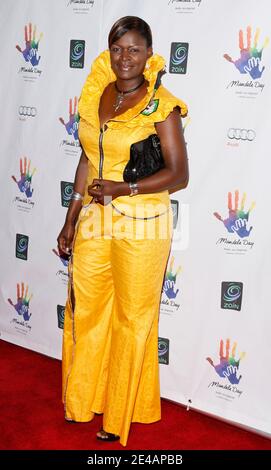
(134, 189)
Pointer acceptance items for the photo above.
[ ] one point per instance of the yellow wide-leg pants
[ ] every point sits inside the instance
(110, 342)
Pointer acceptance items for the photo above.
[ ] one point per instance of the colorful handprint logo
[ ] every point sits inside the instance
(170, 281)
(23, 300)
(72, 125)
(237, 220)
(25, 181)
(250, 56)
(30, 52)
(228, 366)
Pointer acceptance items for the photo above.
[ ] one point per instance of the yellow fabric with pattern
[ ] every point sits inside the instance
(110, 342)
(122, 131)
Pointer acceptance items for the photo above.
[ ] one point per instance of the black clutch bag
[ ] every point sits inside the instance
(145, 159)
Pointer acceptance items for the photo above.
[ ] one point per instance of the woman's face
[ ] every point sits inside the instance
(129, 55)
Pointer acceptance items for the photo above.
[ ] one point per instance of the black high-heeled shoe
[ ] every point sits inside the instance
(107, 436)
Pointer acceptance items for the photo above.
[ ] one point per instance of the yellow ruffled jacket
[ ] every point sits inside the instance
(133, 125)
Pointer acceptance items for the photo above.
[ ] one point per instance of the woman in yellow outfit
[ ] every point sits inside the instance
(119, 244)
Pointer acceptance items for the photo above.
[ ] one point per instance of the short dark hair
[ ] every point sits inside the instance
(127, 23)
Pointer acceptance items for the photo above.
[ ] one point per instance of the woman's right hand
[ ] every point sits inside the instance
(65, 238)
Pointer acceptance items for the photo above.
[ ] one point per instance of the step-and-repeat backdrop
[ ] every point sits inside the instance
(215, 323)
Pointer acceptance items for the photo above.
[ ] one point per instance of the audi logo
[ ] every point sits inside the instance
(241, 134)
(27, 111)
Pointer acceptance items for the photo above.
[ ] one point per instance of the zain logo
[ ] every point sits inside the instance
(22, 244)
(77, 54)
(162, 347)
(163, 350)
(231, 295)
(178, 57)
(60, 316)
(66, 192)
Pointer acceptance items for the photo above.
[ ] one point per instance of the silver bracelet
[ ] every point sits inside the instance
(76, 196)
(133, 188)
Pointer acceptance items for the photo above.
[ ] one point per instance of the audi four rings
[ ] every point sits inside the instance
(241, 134)
(27, 111)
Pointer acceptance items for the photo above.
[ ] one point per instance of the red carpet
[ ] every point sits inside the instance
(32, 415)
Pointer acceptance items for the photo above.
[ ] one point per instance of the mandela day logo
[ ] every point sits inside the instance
(236, 223)
(81, 6)
(169, 290)
(227, 368)
(22, 308)
(24, 184)
(231, 295)
(71, 144)
(250, 61)
(30, 52)
(185, 6)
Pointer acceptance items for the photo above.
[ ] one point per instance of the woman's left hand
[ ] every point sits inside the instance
(104, 191)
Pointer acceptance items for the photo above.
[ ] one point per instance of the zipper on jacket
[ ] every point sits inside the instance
(101, 151)
(101, 162)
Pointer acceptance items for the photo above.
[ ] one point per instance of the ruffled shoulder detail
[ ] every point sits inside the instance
(101, 75)
(155, 64)
(167, 102)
